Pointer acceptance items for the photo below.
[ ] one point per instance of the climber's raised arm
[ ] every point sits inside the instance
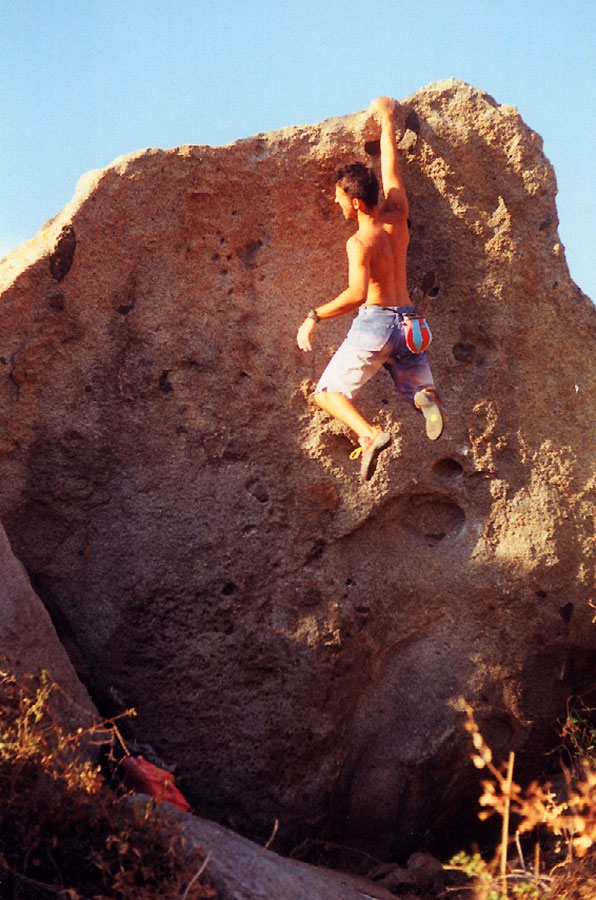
(393, 186)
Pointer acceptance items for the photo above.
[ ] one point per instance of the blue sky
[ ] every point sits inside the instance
(85, 81)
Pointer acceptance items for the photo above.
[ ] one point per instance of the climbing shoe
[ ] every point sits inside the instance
(369, 449)
(427, 403)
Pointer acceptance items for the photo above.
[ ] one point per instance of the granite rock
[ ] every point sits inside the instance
(296, 641)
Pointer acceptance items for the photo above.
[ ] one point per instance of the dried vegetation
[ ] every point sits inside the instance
(64, 832)
(553, 825)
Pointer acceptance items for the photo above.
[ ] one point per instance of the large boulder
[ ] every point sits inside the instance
(295, 640)
(29, 645)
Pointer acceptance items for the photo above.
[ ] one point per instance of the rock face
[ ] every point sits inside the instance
(242, 870)
(29, 643)
(295, 640)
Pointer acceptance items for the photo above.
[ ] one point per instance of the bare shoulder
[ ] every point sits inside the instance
(357, 245)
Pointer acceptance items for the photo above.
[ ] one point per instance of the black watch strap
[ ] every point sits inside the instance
(312, 314)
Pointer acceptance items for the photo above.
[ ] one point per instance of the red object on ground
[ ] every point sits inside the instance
(143, 777)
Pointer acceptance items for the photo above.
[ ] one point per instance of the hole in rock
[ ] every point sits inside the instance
(56, 302)
(229, 589)
(311, 596)
(432, 517)
(258, 491)
(566, 612)
(315, 551)
(427, 282)
(373, 148)
(248, 252)
(464, 352)
(62, 258)
(413, 122)
(164, 382)
(447, 470)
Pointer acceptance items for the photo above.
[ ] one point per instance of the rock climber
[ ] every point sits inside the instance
(386, 332)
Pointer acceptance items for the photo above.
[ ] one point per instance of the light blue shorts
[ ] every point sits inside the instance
(375, 339)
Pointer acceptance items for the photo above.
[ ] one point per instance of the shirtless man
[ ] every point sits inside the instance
(377, 287)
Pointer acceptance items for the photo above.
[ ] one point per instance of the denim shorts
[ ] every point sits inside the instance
(375, 339)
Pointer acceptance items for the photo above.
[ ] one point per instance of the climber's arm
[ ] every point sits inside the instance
(393, 186)
(354, 295)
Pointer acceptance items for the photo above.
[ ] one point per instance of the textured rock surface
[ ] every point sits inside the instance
(294, 640)
(242, 870)
(29, 643)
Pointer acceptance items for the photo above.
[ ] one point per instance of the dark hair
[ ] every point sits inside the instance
(360, 183)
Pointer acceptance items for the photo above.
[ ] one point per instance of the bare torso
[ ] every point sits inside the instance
(385, 240)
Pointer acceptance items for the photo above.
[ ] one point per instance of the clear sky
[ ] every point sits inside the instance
(85, 81)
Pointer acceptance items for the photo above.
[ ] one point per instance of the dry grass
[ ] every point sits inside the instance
(564, 821)
(64, 833)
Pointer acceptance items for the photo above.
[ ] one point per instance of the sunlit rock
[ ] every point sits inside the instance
(295, 640)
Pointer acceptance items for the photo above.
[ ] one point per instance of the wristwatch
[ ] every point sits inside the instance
(312, 314)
